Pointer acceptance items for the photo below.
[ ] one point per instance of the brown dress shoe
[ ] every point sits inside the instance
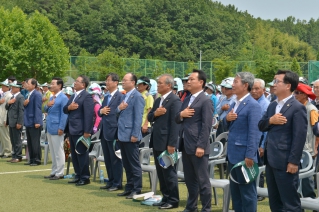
(16, 160)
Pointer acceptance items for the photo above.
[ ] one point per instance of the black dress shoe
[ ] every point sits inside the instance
(159, 204)
(34, 164)
(47, 177)
(124, 193)
(130, 196)
(56, 177)
(167, 206)
(83, 182)
(114, 188)
(106, 187)
(74, 181)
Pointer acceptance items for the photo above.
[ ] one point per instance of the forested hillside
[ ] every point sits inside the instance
(170, 30)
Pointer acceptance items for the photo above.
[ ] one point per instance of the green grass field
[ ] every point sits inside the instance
(23, 188)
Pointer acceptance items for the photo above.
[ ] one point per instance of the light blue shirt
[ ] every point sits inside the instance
(222, 113)
(264, 103)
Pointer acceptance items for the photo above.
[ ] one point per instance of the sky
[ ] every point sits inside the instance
(280, 9)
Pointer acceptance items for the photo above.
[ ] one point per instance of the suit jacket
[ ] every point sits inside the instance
(3, 111)
(130, 119)
(15, 111)
(244, 135)
(56, 119)
(81, 119)
(33, 110)
(165, 129)
(196, 129)
(284, 143)
(109, 121)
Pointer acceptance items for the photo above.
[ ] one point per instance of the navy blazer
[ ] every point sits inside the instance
(56, 119)
(33, 110)
(196, 129)
(284, 143)
(109, 121)
(130, 119)
(81, 119)
(244, 135)
(165, 129)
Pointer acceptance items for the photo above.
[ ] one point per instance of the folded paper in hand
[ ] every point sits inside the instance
(85, 141)
(165, 159)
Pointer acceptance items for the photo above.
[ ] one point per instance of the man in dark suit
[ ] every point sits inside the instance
(286, 123)
(195, 117)
(129, 134)
(33, 121)
(112, 100)
(243, 139)
(15, 120)
(164, 137)
(80, 109)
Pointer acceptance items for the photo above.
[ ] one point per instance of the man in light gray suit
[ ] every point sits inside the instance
(15, 121)
(129, 134)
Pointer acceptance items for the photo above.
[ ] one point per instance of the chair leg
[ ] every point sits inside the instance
(226, 199)
(95, 169)
(68, 165)
(215, 196)
(46, 154)
(154, 181)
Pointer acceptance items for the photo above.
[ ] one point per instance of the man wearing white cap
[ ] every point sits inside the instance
(4, 129)
(45, 96)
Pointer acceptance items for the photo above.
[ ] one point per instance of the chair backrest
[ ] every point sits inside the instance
(221, 136)
(43, 137)
(144, 156)
(261, 169)
(306, 161)
(96, 150)
(216, 149)
(179, 166)
(145, 142)
(96, 135)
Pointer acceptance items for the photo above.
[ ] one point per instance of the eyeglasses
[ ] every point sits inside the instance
(298, 92)
(275, 81)
(316, 87)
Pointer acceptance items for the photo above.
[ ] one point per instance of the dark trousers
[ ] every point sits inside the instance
(197, 181)
(80, 161)
(34, 147)
(308, 187)
(114, 166)
(168, 181)
(282, 190)
(15, 137)
(244, 196)
(132, 166)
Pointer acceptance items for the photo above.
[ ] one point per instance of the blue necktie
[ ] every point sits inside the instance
(108, 99)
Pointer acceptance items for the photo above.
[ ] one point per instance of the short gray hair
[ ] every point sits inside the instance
(246, 77)
(169, 80)
(261, 81)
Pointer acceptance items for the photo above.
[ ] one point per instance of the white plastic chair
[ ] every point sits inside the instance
(309, 203)
(146, 167)
(44, 144)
